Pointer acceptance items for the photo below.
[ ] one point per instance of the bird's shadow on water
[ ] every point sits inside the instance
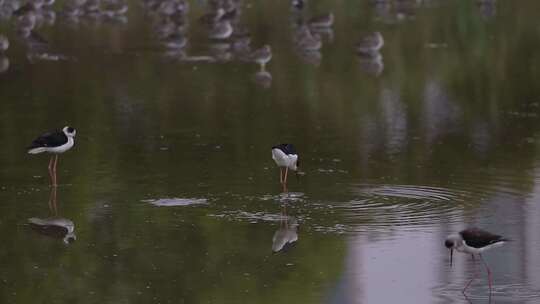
(54, 225)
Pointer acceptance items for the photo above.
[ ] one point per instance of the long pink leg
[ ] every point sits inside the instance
(280, 175)
(50, 169)
(52, 201)
(490, 280)
(472, 279)
(286, 172)
(54, 170)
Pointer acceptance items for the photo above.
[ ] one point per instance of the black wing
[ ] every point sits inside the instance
(479, 238)
(286, 148)
(49, 139)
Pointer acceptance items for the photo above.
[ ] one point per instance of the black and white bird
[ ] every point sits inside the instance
(262, 56)
(370, 45)
(54, 142)
(298, 4)
(474, 241)
(285, 156)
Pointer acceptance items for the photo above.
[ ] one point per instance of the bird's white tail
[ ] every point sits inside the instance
(36, 150)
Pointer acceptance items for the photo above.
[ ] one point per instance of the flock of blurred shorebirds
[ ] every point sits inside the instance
(228, 38)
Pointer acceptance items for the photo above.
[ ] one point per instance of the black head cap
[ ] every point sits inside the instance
(449, 244)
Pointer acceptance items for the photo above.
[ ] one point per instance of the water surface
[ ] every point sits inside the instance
(172, 192)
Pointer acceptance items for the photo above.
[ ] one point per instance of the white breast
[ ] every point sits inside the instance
(284, 160)
(471, 250)
(63, 148)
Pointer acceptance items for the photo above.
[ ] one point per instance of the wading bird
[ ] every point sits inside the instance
(474, 241)
(285, 156)
(54, 142)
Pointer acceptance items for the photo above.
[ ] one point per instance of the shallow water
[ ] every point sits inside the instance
(172, 192)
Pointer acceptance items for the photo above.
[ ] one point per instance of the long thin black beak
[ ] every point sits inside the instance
(451, 253)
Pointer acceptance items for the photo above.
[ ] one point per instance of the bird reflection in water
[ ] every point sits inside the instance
(4, 60)
(287, 234)
(4, 44)
(262, 56)
(4, 63)
(54, 226)
(263, 78)
(371, 60)
(488, 8)
(322, 26)
(372, 65)
(307, 44)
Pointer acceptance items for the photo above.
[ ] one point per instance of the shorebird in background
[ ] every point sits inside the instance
(55, 142)
(285, 156)
(474, 241)
(325, 20)
(262, 56)
(370, 44)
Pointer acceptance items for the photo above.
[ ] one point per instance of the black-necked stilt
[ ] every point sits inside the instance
(221, 30)
(474, 241)
(370, 44)
(298, 4)
(174, 41)
(262, 56)
(212, 17)
(285, 156)
(55, 142)
(325, 20)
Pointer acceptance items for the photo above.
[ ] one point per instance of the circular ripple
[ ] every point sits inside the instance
(383, 206)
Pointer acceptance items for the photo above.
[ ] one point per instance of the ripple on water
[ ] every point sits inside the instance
(289, 197)
(509, 293)
(253, 217)
(172, 202)
(382, 206)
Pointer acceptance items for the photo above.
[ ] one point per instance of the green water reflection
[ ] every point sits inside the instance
(455, 107)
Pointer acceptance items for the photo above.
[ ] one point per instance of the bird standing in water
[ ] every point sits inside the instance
(285, 156)
(54, 142)
(474, 241)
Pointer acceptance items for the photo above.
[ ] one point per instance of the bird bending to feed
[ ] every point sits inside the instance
(285, 156)
(54, 142)
(474, 241)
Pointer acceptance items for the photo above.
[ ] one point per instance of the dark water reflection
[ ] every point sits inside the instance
(171, 187)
